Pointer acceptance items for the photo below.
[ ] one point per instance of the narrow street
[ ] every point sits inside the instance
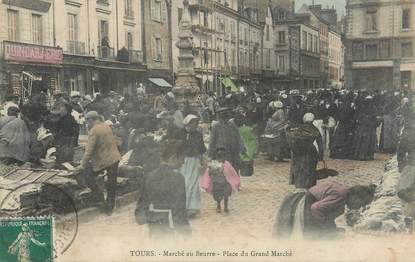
(250, 220)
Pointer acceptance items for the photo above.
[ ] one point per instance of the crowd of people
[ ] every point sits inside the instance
(169, 146)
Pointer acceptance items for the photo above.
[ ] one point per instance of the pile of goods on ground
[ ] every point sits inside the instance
(385, 213)
(34, 192)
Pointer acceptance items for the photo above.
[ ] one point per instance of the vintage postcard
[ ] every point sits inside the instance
(207, 130)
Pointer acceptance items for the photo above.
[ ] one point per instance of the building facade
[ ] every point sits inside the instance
(28, 49)
(310, 59)
(227, 40)
(156, 38)
(269, 50)
(214, 28)
(102, 45)
(312, 16)
(70, 46)
(250, 67)
(285, 45)
(298, 49)
(336, 69)
(380, 44)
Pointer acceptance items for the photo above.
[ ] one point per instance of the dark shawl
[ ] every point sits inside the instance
(165, 189)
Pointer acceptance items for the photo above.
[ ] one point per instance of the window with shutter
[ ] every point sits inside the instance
(406, 18)
(72, 27)
(163, 12)
(268, 58)
(276, 59)
(103, 33)
(156, 10)
(233, 57)
(36, 29)
(128, 8)
(13, 25)
(159, 50)
(282, 63)
(304, 41)
(180, 14)
(153, 48)
(267, 32)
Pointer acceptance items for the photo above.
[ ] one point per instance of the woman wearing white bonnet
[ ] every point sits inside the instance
(278, 104)
(274, 139)
(308, 117)
(188, 119)
(191, 170)
(307, 150)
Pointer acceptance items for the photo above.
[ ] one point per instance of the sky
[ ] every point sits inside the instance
(338, 4)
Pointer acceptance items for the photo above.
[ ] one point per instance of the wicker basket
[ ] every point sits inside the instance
(300, 137)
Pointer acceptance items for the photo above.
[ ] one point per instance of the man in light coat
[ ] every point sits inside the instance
(101, 154)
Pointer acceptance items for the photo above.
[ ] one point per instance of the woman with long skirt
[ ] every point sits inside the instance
(192, 167)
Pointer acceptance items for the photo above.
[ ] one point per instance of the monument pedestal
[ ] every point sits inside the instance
(186, 88)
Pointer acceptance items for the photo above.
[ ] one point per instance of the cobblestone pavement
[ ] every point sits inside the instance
(251, 217)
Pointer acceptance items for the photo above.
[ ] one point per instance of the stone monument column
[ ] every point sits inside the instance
(186, 88)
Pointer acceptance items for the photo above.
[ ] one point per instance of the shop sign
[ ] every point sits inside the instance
(32, 53)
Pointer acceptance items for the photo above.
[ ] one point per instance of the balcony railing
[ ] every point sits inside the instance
(136, 56)
(203, 29)
(208, 4)
(105, 52)
(75, 47)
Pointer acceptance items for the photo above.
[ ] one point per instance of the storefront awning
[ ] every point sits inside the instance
(160, 82)
(227, 82)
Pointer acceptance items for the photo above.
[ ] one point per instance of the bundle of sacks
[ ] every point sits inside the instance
(385, 213)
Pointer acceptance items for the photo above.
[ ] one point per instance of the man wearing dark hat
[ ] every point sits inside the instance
(12, 113)
(226, 135)
(296, 110)
(67, 129)
(364, 140)
(11, 100)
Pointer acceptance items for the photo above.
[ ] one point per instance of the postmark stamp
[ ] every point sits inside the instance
(27, 239)
(48, 201)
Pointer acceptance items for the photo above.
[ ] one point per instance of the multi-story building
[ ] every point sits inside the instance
(283, 18)
(28, 48)
(311, 15)
(71, 45)
(380, 44)
(336, 69)
(250, 64)
(157, 42)
(215, 39)
(102, 47)
(309, 56)
(298, 50)
(269, 48)
(227, 38)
